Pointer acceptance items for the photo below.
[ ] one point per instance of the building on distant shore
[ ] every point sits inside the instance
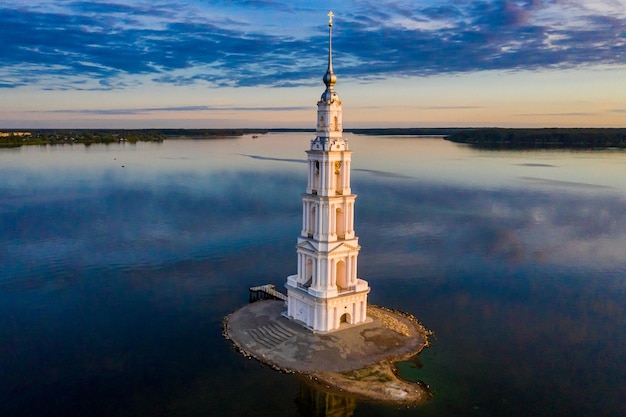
(20, 134)
(326, 293)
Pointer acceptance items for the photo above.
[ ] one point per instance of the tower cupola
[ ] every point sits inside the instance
(330, 78)
(329, 115)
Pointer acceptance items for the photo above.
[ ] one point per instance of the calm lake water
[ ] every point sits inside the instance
(118, 263)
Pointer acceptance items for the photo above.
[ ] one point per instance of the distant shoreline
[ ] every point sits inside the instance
(16, 138)
(484, 138)
(546, 138)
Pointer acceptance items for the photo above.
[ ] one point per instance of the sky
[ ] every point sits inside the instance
(259, 63)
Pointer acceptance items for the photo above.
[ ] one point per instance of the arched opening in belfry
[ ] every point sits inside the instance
(337, 182)
(312, 221)
(316, 177)
(308, 273)
(341, 276)
(340, 224)
(335, 123)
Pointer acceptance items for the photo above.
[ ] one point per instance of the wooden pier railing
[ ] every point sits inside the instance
(266, 292)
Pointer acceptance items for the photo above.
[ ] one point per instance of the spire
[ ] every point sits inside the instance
(329, 78)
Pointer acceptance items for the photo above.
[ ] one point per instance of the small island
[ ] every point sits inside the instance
(358, 360)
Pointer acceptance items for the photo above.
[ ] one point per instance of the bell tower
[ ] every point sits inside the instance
(326, 294)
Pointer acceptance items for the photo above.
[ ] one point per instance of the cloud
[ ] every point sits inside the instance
(487, 35)
(571, 114)
(108, 41)
(146, 110)
(450, 107)
(109, 45)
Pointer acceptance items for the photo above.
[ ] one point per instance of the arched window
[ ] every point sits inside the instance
(312, 221)
(308, 277)
(341, 276)
(340, 224)
(316, 177)
(337, 180)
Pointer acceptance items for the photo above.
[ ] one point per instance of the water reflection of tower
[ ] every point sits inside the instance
(316, 403)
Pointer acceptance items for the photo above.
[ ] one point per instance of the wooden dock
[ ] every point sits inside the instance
(266, 292)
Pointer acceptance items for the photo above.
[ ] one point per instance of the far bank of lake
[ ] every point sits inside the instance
(486, 138)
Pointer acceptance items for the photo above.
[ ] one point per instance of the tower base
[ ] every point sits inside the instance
(324, 315)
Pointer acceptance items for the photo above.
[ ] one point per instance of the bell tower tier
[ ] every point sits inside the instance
(326, 293)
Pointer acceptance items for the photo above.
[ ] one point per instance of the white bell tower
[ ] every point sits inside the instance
(326, 293)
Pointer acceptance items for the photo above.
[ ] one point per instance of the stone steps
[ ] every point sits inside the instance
(271, 335)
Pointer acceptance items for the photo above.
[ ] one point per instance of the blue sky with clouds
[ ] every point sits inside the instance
(260, 62)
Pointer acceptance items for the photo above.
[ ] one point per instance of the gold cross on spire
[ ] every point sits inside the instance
(330, 18)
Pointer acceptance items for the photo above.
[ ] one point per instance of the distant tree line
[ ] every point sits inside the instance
(415, 131)
(209, 133)
(386, 131)
(549, 138)
(93, 136)
(84, 136)
(490, 138)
